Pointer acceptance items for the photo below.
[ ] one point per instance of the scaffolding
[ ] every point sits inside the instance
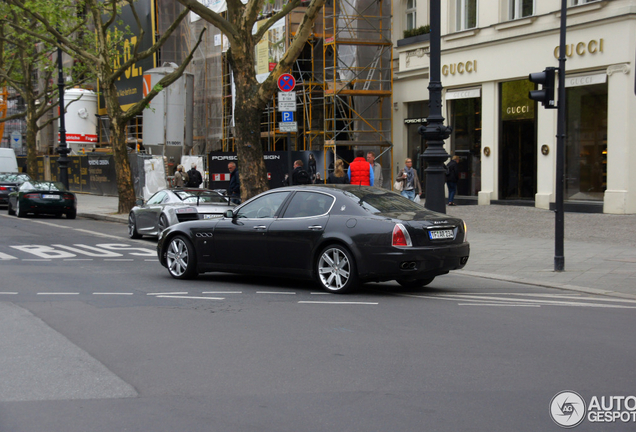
(344, 80)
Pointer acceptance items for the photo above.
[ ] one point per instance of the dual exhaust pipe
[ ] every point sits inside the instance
(408, 265)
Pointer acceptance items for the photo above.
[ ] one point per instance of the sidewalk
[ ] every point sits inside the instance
(517, 244)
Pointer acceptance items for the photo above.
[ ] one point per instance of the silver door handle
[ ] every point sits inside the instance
(256, 227)
(315, 227)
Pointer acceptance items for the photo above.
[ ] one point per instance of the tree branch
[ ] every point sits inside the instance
(213, 18)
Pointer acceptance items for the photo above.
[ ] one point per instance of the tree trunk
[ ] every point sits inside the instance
(125, 188)
(247, 116)
(31, 133)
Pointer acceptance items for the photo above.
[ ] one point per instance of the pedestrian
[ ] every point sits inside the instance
(234, 190)
(410, 180)
(319, 179)
(452, 176)
(195, 176)
(377, 169)
(360, 172)
(311, 165)
(300, 176)
(180, 177)
(338, 176)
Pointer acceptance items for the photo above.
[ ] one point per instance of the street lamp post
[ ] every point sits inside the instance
(62, 149)
(435, 132)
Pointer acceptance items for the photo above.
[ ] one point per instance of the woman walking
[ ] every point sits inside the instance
(338, 176)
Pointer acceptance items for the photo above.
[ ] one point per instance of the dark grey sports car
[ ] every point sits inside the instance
(170, 206)
(339, 235)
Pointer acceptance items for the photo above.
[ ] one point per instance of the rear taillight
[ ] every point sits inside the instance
(4, 188)
(401, 237)
(68, 196)
(31, 195)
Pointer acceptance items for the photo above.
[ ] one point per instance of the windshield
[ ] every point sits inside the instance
(202, 197)
(14, 178)
(381, 201)
(42, 186)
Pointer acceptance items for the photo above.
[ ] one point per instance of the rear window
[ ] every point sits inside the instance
(192, 197)
(382, 201)
(14, 178)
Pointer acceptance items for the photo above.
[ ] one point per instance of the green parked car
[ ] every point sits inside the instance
(42, 197)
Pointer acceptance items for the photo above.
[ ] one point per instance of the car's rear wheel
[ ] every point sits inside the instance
(10, 210)
(18, 211)
(336, 270)
(181, 258)
(163, 223)
(71, 214)
(415, 283)
(132, 227)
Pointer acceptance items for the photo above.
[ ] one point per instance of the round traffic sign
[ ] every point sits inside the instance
(286, 83)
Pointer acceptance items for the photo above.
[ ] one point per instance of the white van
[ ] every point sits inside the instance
(8, 162)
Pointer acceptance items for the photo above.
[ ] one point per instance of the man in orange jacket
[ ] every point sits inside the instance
(360, 171)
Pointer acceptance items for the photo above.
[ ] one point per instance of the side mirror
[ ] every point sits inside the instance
(139, 202)
(229, 214)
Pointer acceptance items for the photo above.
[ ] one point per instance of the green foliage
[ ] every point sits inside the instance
(417, 31)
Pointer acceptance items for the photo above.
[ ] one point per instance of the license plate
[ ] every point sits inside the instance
(51, 196)
(441, 234)
(211, 216)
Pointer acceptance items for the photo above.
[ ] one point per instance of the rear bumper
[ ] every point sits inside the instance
(413, 263)
(48, 206)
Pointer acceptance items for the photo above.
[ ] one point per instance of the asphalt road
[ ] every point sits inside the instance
(97, 337)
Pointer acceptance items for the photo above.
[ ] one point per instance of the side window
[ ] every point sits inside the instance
(306, 204)
(263, 207)
(466, 14)
(156, 198)
(410, 15)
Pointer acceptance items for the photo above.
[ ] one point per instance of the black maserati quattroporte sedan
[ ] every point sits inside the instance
(338, 235)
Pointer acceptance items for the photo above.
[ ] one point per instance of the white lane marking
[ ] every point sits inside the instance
(152, 260)
(190, 297)
(48, 223)
(127, 248)
(112, 293)
(91, 250)
(221, 292)
(44, 251)
(498, 304)
(4, 256)
(11, 293)
(98, 234)
(118, 259)
(568, 296)
(276, 292)
(167, 293)
(337, 303)
(78, 259)
(320, 293)
(36, 259)
(58, 293)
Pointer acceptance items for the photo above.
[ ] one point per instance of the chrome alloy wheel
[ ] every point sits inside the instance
(334, 269)
(178, 257)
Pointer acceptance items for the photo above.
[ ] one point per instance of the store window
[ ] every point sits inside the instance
(465, 118)
(410, 15)
(586, 143)
(466, 14)
(417, 112)
(521, 8)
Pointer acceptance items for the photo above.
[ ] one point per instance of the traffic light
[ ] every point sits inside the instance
(546, 94)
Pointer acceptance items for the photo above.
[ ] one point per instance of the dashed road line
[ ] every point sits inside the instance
(113, 293)
(276, 292)
(58, 293)
(190, 297)
(338, 302)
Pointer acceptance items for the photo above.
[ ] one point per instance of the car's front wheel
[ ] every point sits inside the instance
(132, 227)
(415, 283)
(181, 258)
(336, 270)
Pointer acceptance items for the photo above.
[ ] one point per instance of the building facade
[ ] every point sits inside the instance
(506, 141)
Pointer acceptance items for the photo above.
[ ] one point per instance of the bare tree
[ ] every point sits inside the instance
(252, 97)
(101, 52)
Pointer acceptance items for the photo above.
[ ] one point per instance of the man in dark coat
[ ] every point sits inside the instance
(452, 177)
(234, 191)
(195, 176)
(300, 176)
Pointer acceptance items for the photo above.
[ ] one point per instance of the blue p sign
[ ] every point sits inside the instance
(288, 116)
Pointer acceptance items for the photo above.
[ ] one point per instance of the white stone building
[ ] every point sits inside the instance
(506, 141)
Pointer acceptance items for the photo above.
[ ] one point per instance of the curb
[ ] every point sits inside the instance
(564, 287)
(102, 217)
